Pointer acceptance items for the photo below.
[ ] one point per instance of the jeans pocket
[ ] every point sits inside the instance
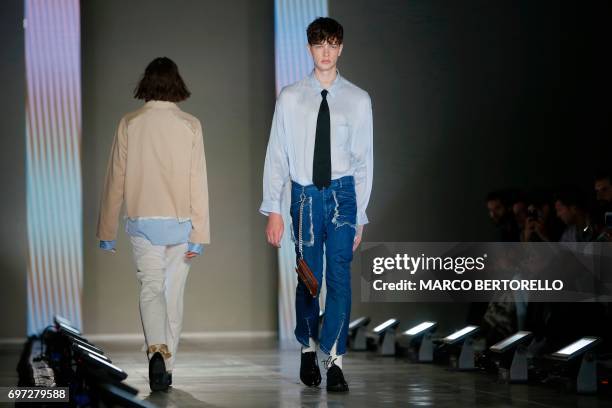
(345, 207)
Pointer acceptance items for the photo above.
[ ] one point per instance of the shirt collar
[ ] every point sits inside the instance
(161, 104)
(314, 82)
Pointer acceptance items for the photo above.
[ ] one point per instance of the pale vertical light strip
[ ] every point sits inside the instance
(75, 88)
(53, 168)
(33, 290)
(292, 64)
(64, 223)
(36, 113)
(53, 209)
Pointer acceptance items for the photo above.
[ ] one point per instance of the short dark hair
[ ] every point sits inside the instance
(325, 29)
(603, 174)
(571, 196)
(161, 81)
(497, 196)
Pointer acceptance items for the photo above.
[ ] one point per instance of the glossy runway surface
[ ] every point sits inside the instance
(242, 373)
(254, 374)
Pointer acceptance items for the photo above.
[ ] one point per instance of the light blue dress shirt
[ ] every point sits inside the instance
(292, 137)
(158, 231)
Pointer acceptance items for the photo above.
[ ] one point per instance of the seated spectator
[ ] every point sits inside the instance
(502, 216)
(571, 208)
(540, 224)
(603, 206)
(518, 205)
(603, 187)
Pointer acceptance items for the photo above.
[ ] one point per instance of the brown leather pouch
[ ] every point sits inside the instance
(306, 276)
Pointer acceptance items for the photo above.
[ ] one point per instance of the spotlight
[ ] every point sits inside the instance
(71, 335)
(386, 336)
(61, 322)
(79, 348)
(420, 336)
(463, 337)
(586, 380)
(357, 333)
(100, 368)
(86, 344)
(515, 345)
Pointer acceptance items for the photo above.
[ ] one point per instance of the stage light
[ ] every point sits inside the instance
(511, 342)
(72, 335)
(100, 368)
(357, 333)
(460, 335)
(68, 328)
(463, 337)
(88, 345)
(65, 323)
(577, 348)
(84, 349)
(421, 329)
(517, 370)
(586, 377)
(386, 337)
(420, 337)
(389, 324)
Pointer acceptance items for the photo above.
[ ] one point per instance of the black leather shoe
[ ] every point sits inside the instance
(335, 379)
(158, 376)
(309, 369)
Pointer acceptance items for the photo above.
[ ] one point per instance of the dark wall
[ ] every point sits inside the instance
(225, 52)
(468, 97)
(13, 245)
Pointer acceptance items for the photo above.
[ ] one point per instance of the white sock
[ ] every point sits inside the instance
(335, 358)
(312, 346)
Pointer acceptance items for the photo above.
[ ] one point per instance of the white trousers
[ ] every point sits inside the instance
(162, 271)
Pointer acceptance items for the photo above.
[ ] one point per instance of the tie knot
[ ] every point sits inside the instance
(324, 93)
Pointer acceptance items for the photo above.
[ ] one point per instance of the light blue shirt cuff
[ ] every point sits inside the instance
(195, 248)
(268, 207)
(362, 218)
(108, 245)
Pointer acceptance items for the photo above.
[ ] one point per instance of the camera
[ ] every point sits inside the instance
(534, 214)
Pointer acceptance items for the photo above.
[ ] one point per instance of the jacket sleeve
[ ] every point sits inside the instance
(200, 220)
(112, 196)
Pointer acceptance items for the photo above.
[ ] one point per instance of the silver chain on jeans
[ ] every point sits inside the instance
(301, 216)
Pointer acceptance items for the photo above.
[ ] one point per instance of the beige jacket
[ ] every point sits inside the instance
(157, 167)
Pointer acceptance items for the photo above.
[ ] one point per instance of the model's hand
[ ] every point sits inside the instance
(358, 236)
(274, 229)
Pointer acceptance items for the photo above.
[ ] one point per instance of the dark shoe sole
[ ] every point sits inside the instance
(317, 381)
(158, 377)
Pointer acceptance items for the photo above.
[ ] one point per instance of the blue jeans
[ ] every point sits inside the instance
(328, 221)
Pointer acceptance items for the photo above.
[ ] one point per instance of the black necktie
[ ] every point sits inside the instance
(321, 163)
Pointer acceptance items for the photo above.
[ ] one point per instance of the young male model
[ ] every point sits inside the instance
(321, 141)
(157, 167)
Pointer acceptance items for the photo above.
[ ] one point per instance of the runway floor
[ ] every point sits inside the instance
(253, 373)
